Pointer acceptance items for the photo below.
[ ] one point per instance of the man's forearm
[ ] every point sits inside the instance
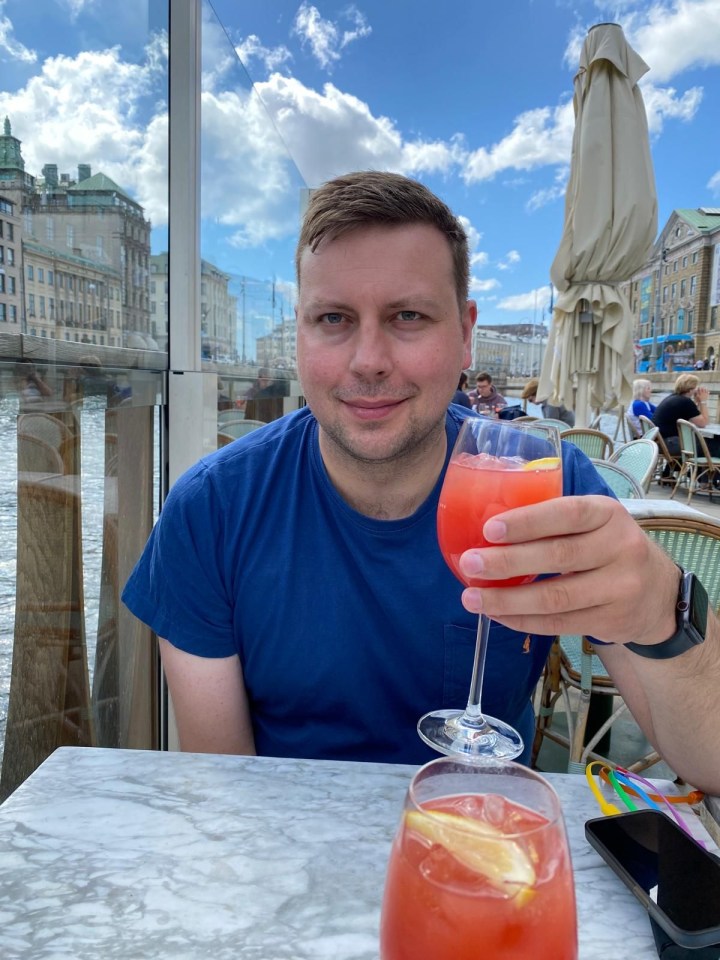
(675, 703)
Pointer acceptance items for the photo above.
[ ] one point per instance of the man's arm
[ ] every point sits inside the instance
(209, 700)
(701, 397)
(614, 584)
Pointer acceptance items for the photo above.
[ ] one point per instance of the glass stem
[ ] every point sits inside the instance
(473, 711)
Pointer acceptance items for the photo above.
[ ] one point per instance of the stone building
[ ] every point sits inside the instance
(92, 239)
(678, 290)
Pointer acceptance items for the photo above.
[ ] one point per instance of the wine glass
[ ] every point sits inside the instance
(481, 852)
(495, 465)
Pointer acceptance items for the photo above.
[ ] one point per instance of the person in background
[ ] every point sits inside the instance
(688, 401)
(548, 410)
(460, 396)
(641, 406)
(485, 397)
(294, 576)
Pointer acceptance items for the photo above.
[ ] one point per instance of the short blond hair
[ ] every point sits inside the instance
(375, 198)
(686, 383)
(639, 386)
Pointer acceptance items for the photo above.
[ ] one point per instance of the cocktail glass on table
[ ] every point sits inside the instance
(495, 466)
(479, 867)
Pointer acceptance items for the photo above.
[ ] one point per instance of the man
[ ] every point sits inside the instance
(295, 574)
(688, 401)
(485, 397)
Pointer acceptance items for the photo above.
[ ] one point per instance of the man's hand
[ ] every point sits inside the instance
(613, 583)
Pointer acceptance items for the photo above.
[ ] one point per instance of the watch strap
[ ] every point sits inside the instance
(686, 636)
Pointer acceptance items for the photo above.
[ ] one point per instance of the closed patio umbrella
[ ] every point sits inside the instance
(609, 229)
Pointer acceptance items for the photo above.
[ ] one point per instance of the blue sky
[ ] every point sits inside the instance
(473, 98)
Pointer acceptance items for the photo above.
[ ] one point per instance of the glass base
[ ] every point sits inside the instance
(450, 732)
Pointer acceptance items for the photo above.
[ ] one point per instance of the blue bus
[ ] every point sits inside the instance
(675, 351)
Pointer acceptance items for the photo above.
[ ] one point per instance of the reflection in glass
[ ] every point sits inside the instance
(83, 203)
(251, 199)
(75, 668)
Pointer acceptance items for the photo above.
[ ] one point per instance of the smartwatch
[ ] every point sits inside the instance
(691, 615)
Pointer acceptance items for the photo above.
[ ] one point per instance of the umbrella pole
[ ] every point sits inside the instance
(581, 400)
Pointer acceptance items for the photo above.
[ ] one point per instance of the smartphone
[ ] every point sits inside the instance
(670, 874)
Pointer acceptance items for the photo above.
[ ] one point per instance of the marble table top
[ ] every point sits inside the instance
(110, 854)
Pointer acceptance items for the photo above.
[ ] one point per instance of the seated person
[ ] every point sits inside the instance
(548, 410)
(295, 578)
(485, 397)
(688, 401)
(641, 406)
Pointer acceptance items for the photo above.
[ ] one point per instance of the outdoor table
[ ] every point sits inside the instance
(142, 854)
(649, 509)
(710, 429)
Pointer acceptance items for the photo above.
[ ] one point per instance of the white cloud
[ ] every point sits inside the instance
(482, 286)
(540, 137)
(663, 103)
(9, 45)
(522, 302)
(714, 182)
(675, 36)
(330, 132)
(271, 58)
(509, 260)
(545, 195)
(324, 37)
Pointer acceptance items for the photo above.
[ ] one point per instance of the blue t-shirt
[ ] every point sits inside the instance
(348, 628)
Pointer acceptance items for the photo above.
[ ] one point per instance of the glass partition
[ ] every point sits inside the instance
(251, 198)
(83, 350)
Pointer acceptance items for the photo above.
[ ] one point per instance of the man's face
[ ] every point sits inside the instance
(381, 339)
(484, 388)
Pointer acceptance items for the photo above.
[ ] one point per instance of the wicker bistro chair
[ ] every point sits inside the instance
(549, 422)
(649, 430)
(638, 458)
(668, 463)
(594, 443)
(622, 483)
(694, 543)
(696, 460)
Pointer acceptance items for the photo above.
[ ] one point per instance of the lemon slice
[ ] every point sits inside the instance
(544, 463)
(480, 847)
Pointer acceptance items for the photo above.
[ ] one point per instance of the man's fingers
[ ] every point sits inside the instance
(552, 518)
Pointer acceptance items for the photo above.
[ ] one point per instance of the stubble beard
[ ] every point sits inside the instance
(411, 446)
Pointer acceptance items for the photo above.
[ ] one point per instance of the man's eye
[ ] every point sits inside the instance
(332, 319)
(408, 315)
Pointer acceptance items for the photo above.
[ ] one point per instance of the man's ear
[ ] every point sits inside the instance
(469, 319)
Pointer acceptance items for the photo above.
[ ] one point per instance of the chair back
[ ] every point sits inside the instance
(622, 483)
(692, 542)
(648, 428)
(695, 441)
(638, 458)
(593, 443)
(550, 422)
(688, 447)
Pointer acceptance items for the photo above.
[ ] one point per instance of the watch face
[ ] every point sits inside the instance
(698, 607)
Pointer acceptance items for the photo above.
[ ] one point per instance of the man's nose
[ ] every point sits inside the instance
(372, 354)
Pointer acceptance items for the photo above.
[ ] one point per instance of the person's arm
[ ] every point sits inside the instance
(615, 585)
(701, 400)
(209, 700)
